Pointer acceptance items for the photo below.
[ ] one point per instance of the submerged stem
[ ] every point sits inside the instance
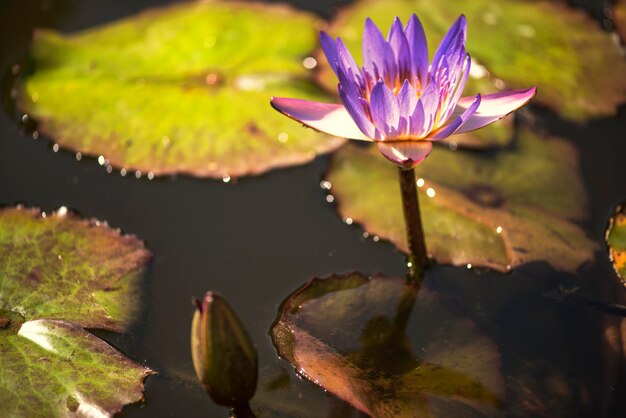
(413, 221)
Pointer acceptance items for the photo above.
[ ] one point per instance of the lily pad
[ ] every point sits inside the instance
(577, 67)
(498, 211)
(58, 275)
(446, 367)
(183, 89)
(616, 239)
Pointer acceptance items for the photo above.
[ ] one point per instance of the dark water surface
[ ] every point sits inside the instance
(258, 239)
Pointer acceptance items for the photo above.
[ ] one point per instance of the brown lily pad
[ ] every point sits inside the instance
(445, 367)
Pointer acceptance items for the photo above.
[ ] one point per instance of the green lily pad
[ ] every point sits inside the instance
(498, 211)
(58, 275)
(447, 367)
(184, 89)
(577, 67)
(616, 240)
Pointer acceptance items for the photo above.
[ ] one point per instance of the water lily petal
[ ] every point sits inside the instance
(418, 128)
(385, 111)
(419, 49)
(457, 86)
(493, 107)
(347, 62)
(455, 38)
(378, 57)
(359, 111)
(329, 118)
(400, 46)
(430, 104)
(407, 99)
(329, 46)
(406, 154)
(456, 123)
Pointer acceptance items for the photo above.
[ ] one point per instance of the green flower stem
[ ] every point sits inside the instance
(418, 256)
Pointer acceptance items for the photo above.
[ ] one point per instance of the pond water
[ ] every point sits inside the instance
(259, 238)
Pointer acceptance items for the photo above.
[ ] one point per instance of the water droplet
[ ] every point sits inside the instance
(225, 178)
(59, 257)
(109, 169)
(283, 137)
(430, 192)
(62, 211)
(79, 156)
(409, 264)
(469, 265)
(526, 31)
(477, 70)
(348, 221)
(499, 230)
(138, 174)
(123, 172)
(24, 118)
(376, 238)
(211, 79)
(34, 97)
(490, 18)
(453, 146)
(330, 198)
(101, 160)
(498, 83)
(326, 185)
(420, 182)
(366, 234)
(55, 148)
(309, 63)
(43, 214)
(35, 134)
(150, 175)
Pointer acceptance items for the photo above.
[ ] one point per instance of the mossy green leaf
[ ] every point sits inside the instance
(184, 89)
(616, 240)
(577, 67)
(497, 210)
(58, 274)
(54, 368)
(446, 367)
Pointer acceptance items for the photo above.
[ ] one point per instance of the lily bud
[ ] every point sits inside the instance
(225, 360)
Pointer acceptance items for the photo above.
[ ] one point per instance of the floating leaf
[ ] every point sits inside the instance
(58, 275)
(445, 368)
(498, 211)
(577, 67)
(616, 239)
(183, 89)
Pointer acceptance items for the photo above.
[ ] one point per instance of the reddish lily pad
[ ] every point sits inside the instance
(616, 239)
(184, 89)
(577, 67)
(446, 367)
(498, 211)
(60, 274)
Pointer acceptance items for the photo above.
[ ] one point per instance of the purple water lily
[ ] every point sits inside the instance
(396, 99)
